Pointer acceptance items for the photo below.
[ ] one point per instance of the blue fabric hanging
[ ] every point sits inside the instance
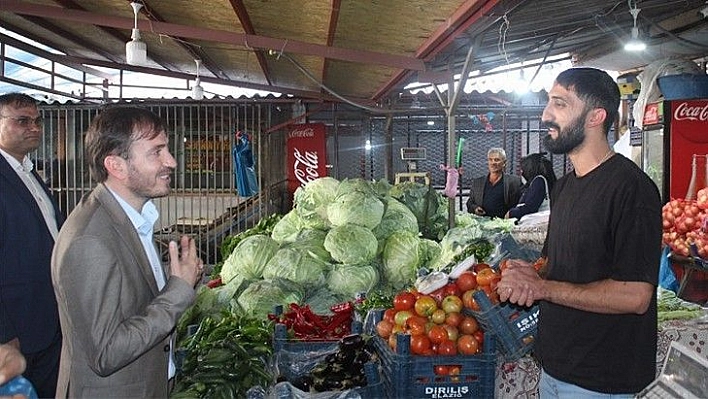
(667, 278)
(244, 167)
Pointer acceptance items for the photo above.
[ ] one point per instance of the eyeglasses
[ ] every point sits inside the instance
(26, 121)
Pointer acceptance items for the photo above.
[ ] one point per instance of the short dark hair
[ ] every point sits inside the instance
(114, 130)
(18, 100)
(595, 88)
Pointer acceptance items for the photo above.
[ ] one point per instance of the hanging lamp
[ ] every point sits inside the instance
(635, 44)
(197, 90)
(135, 49)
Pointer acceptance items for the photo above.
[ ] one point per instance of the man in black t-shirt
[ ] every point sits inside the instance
(597, 323)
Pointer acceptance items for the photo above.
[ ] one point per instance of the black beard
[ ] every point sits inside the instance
(568, 139)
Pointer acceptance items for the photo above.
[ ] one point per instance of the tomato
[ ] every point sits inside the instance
(420, 344)
(451, 289)
(402, 316)
(441, 370)
(466, 281)
(416, 325)
(447, 348)
(438, 295)
(438, 316)
(452, 332)
(467, 344)
(479, 336)
(454, 319)
(389, 314)
(486, 276)
(468, 325)
(425, 305)
(480, 266)
(404, 301)
(392, 341)
(455, 370)
(469, 302)
(452, 303)
(437, 334)
(384, 328)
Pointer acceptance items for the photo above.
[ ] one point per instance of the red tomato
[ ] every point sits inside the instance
(486, 276)
(454, 319)
(404, 301)
(389, 314)
(447, 348)
(467, 345)
(416, 325)
(480, 266)
(451, 289)
(437, 334)
(384, 328)
(479, 336)
(442, 370)
(438, 295)
(425, 305)
(420, 344)
(466, 281)
(468, 325)
(469, 302)
(452, 303)
(392, 341)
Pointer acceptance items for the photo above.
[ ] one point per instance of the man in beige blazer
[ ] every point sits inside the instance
(118, 305)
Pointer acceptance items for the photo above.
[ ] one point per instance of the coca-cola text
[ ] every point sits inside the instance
(305, 165)
(686, 112)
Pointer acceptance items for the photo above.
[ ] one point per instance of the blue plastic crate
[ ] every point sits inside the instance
(411, 376)
(281, 345)
(683, 86)
(514, 326)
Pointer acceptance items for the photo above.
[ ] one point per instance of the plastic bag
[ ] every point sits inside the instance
(667, 278)
(244, 167)
(452, 180)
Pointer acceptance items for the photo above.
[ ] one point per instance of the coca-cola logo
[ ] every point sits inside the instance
(306, 132)
(305, 166)
(685, 112)
(651, 114)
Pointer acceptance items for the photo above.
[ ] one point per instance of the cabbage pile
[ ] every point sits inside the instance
(341, 239)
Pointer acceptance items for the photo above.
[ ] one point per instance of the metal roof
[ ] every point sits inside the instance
(363, 51)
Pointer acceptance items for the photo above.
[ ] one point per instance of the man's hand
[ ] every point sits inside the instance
(479, 211)
(12, 363)
(184, 262)
(520, 283)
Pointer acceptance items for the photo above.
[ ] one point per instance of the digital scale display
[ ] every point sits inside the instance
(413, 153)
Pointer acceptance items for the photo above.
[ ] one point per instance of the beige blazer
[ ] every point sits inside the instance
(117, 327)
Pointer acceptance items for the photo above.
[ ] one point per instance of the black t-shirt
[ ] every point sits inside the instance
(606, 224)
(493, 200)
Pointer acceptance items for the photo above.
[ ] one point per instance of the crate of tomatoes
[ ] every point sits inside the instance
(429, 348)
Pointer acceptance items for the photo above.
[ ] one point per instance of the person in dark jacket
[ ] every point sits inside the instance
(494, 194)
(29, 222)
(537, 171)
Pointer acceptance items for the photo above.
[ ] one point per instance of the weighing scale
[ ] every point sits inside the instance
(411, 155)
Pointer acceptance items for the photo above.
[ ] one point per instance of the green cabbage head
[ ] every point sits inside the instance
(351, 244)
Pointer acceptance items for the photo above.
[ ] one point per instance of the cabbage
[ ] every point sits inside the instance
(321, 300)
(347, 281)
(312, 199)
(454, 242)
(296, 264)
(260, 297)
(356, 207)
(401, 259)
(429, 252)
(429, 207)
(356, 184)
(396, 217)
(287, 228)
(249, 258)
(312, 241)
(351, 244)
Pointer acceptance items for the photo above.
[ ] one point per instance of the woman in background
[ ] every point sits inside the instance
(537, 171)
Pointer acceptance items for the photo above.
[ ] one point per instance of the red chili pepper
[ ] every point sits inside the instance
(215, 283)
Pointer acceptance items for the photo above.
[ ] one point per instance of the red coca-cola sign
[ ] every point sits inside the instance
(307, 154)
(690, 119)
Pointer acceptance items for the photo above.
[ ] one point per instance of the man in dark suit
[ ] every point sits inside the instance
(118, 304)
(496, 192)
(29, 222)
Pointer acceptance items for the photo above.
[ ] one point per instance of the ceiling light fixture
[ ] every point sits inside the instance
(135, 49)
(635, 44)
(197, 90)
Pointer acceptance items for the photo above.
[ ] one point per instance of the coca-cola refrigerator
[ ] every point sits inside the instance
(672, 132)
